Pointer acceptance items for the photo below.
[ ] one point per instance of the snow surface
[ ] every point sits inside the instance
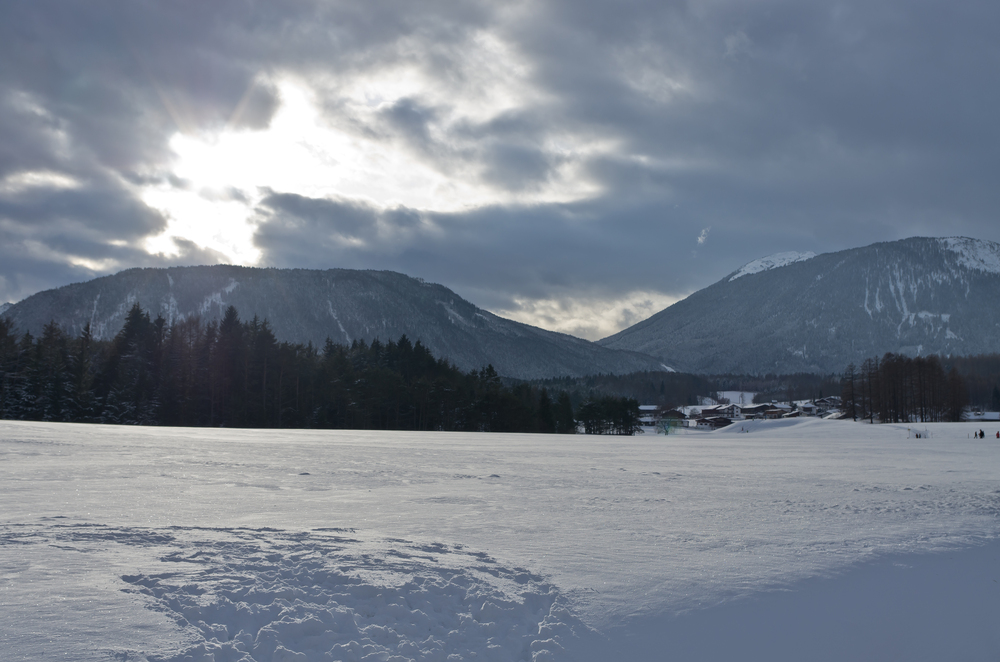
(974, 253)
(772, 262)
(795, 539)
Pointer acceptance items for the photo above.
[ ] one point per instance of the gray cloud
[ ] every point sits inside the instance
(780, 125)
(536, 252)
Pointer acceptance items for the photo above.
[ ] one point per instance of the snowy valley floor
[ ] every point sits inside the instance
(797, 540)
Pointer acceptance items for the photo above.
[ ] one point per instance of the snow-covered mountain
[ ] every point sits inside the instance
(771, 262)
(796, 312)
(4, 307)
(306, 305)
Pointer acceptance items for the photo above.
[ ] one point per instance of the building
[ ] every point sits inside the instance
(713, 423)
(808, 409)
(732, 411)
(755, 411)
(649, 415)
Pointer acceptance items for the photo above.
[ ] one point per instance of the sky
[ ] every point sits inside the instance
(574, 165)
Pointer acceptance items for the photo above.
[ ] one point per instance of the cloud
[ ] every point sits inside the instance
(568, 267)
(548, 159)
(737, 44)
(585, 317)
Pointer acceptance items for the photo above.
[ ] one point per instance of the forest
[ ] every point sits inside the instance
(899, 389)
(236, 373)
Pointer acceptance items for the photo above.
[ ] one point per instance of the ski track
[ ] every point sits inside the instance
(267, 595)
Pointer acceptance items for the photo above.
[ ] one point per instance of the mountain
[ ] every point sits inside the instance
(800, 312)
(4, 307)
(306, 305)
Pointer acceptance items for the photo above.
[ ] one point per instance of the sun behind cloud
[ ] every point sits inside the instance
(217, 179)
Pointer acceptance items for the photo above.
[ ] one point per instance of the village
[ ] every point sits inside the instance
(719, 414)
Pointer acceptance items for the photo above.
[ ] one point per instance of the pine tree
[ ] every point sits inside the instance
(546, 418)
(82, 376)
(128, 382)
(8, 366)
(54, 384)
(957, 396)
(565, 423)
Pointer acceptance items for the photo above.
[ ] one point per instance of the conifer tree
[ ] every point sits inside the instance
(563, 415)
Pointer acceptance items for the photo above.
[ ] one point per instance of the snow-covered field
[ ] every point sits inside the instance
(798, 540)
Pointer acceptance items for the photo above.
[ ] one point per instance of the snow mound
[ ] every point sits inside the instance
(248, 595)
(772, 262)
(974, 254)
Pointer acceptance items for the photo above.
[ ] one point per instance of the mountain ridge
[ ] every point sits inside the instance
(913, 296)
(306, 305)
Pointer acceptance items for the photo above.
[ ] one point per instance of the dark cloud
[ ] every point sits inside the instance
(102, 210)
(586, 249)
(308, 226)
(517, 167)
(411, 120)
(780, 125)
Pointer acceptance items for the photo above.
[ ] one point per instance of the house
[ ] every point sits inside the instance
(713, 422)
(649, 415)
(808, 409)
(733, 411)
(754, 411)
(828, 404)
(729, 411)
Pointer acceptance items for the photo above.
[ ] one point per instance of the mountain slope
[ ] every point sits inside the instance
(305, 305)
(798, 312)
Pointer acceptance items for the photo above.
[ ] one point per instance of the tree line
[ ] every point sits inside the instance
(901, 389)
(235, 373)
(981, 374)
(671, 390)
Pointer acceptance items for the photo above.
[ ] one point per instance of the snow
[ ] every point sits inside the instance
(974, 254)
(215, 298)
(333, 314)
(771, 262)
(802, 539)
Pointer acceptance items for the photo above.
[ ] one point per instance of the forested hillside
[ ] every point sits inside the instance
(238, 374)
(802, 313)
(311, 305)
